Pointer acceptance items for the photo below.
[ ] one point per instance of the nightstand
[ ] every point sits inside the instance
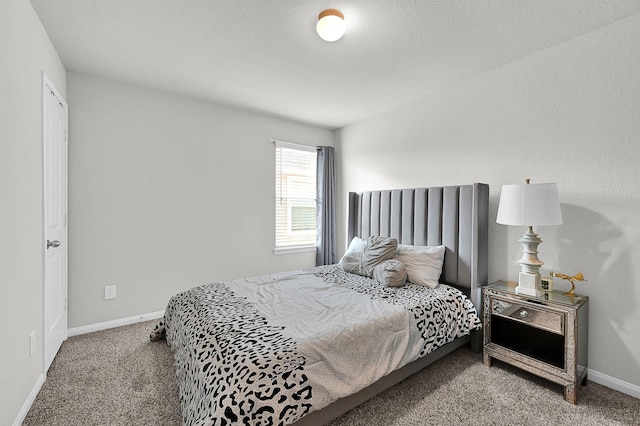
(546, 334)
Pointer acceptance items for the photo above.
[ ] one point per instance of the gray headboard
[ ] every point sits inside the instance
(454, 216)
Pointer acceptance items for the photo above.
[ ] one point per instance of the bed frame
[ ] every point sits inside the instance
(453, 216)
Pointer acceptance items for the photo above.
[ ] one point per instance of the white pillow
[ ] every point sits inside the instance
(352, 258)
(422, 263)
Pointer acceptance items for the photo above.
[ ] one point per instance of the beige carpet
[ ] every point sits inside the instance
(119, 377)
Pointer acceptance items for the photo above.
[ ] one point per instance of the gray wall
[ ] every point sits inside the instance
(569, 114)
(166, 193)
(25, 51)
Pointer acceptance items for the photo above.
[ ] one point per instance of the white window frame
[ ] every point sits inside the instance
(292, 248)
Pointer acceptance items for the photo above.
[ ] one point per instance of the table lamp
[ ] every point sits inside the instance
(529, 205)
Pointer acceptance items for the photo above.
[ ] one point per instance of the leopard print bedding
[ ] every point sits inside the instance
(234, 367)
(238, 369)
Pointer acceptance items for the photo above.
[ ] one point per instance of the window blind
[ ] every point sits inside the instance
(295, 196)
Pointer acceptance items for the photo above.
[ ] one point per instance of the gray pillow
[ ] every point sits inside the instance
(390, 273)
(362, 256)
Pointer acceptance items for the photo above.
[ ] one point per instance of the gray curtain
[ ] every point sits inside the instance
(326, 202)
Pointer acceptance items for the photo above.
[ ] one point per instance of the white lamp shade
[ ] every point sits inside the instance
(331, 26)
(534, 204)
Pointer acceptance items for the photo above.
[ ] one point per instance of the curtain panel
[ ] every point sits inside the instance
(326, 207)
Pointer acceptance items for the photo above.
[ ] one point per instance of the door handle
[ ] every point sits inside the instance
(54, 243)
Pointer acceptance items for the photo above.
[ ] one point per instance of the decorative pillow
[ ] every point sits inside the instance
(422, 263)
(351, 260)
(391, 273)
(363, 255)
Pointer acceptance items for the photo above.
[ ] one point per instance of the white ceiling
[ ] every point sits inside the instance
(264, 55)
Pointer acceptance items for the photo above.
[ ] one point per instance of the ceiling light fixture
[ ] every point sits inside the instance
(331, 26)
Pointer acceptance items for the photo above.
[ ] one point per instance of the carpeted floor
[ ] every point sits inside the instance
(118, 377)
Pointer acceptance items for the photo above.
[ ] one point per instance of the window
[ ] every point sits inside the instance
(295, 197)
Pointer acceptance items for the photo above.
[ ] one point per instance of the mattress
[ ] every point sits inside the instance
(271, 349)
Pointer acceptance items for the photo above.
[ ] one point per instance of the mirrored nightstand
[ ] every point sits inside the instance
(545, 334)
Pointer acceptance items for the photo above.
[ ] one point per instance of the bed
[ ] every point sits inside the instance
(303, 347)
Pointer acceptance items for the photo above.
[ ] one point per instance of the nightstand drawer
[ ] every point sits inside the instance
(529, 314)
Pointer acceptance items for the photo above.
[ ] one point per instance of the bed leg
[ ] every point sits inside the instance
(476, 341)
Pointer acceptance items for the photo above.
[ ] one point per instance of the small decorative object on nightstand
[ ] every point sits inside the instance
(571, 279)
(546, 334)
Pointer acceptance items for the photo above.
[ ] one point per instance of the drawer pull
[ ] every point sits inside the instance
(523, 313)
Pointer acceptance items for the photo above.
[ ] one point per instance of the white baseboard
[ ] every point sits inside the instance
(613, 383)
(29, 402)
(114, 323)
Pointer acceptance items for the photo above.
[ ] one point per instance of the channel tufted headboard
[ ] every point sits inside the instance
(453, 216)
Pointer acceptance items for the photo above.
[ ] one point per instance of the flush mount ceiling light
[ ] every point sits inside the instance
(330, 25)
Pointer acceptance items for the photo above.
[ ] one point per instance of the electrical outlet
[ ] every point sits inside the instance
(109, 292)
(32, 343)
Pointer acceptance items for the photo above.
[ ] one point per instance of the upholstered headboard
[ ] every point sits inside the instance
(453, 216)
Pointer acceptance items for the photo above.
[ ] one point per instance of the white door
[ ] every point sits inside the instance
(55, 220)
